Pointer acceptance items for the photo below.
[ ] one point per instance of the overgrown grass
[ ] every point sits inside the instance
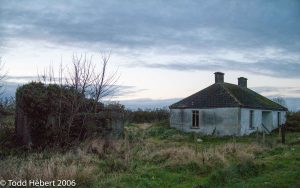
(158, 156)
(49, 166)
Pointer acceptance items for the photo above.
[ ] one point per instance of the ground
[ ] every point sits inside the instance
(154, 155)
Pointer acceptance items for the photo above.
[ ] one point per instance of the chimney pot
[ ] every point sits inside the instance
(219, 77)
(242, 82)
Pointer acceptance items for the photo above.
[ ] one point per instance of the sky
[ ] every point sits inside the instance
(163, 50)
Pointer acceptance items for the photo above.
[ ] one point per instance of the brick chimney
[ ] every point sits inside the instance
(219, 77)
(242, 82)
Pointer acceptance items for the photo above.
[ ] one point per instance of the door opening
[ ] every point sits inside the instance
(267, 120)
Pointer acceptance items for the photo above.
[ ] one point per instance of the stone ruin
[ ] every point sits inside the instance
(44, 116)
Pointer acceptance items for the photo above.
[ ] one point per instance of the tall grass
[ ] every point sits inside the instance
(144, 156)
(172, 155)
(69, 166)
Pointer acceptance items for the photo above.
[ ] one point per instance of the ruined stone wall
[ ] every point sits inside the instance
(49, 114)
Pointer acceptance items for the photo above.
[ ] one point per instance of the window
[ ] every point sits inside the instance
(195, 119)
(251, 119)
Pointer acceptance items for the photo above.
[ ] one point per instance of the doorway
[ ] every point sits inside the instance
(267, 120)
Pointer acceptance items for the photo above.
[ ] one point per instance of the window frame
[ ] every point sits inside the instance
(195, 119)
(251, 119)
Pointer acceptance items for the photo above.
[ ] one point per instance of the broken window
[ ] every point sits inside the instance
(251, 119)
(195, 119)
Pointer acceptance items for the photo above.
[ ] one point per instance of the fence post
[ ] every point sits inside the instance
(257, 135)
(279, 131)
(283, 134)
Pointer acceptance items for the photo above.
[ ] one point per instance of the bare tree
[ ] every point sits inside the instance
(3, 76)
(83, 77)
(280, 101)
(88, 78)
(103, 85)
(79, 78)
(81, 73)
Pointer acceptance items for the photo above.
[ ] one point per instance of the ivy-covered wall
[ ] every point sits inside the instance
(58, 115)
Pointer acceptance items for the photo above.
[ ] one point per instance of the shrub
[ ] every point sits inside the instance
(293, 121)
(147, 116)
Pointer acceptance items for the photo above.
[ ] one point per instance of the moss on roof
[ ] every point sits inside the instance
(220, 95)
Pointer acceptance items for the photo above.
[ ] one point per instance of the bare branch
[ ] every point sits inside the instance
(3, 76)
(103, 85)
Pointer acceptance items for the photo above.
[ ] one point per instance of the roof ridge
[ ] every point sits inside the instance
(234, 98)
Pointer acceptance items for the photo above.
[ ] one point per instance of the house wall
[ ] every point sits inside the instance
(282, 118)
(245, 121)
(226, 121)
(267, 117)
(219, 121)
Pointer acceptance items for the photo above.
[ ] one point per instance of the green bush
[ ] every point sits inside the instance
(293, 121)
(147, 116)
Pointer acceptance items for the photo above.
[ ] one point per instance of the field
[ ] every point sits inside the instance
(154, 155)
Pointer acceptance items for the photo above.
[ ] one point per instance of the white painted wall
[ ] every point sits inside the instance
(221, 121)
(282, 118)
(270, 122)
(245, 121)
(225, 121)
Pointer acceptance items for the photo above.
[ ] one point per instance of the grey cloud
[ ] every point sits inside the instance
(270, 89)
(273, 68)
(28, 78)
(277, 91)
(11, 86)
(122, 90)
(199, 24)
(192, 26)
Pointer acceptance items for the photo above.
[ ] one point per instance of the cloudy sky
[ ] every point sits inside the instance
(162, 49)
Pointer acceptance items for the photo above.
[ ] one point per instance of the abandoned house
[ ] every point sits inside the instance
(226, 109)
